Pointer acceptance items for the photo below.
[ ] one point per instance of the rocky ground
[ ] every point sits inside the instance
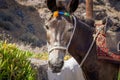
(23, 20)
(21, 23)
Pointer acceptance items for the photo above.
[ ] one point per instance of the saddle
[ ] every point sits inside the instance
(108, 42)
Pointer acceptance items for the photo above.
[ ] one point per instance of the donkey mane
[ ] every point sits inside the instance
(89, 24)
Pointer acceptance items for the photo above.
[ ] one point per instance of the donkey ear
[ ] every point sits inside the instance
(51, 4)
(73, 5)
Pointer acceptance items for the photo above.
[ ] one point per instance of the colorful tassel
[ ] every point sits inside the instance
(66, 14)
(56, 13)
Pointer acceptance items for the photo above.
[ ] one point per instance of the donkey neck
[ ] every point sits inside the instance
(81, 41)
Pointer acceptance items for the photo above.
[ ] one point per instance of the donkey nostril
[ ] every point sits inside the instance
(46, 27)
(62, 63)
(49, 64)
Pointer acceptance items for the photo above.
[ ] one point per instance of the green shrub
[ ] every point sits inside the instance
(118, 75)
(14, 64)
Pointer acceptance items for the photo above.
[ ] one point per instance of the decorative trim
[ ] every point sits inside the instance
(57, 13)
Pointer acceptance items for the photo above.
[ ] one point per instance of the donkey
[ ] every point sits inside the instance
(69, 33)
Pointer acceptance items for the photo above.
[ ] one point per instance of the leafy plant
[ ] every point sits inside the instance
(118, 74)
(42, 56)
(14, 64)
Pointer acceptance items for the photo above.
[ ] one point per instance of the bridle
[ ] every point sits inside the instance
(51, 48)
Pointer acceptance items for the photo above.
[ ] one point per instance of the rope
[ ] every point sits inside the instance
(73, 32)
(90, 47)
(99, 29)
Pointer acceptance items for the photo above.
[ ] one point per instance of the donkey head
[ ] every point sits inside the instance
(58, 34)
(59, 29)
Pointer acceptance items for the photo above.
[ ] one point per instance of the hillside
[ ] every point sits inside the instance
(23, 20)
(19, 23)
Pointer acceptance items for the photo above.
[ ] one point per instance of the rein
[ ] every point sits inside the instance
(94, 39)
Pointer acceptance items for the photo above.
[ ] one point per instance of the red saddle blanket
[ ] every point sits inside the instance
(108, 48)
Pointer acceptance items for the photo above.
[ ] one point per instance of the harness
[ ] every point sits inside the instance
(50, 49)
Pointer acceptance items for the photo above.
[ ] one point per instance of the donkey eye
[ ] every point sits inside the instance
(47, 27)
(71, 29)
